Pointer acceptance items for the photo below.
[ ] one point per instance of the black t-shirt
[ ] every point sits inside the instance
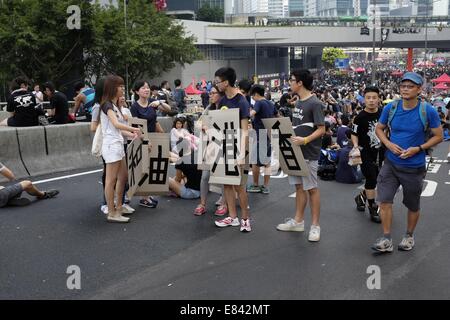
(193, 175)
(364, 126)
(59, 102)
(23, 104)
(326, 141)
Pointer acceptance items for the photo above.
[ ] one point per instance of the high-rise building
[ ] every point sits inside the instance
(310, 8)
(276, 8)
(296, 8)
(335, 8)
(211, 3)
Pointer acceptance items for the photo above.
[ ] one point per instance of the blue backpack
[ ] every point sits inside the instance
(423, 119)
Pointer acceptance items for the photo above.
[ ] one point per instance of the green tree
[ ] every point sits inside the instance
(35, 41)
(329, 55)
(151, 44)
(211, 14)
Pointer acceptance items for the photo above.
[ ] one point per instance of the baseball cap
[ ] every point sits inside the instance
(414, 77)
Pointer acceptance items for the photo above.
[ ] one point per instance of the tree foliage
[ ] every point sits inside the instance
(329, 55)
(35, 41)
(210, 14)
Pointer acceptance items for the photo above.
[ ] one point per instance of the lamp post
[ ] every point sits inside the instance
(256, 55)
(125, 3)
(373, 40)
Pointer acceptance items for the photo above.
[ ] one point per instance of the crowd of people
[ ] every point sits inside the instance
(368, 125)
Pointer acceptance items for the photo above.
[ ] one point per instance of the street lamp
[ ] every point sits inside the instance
(256, 55)
(374, 6)
(125, 3)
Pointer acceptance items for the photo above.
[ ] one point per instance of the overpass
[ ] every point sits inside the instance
(313, 36)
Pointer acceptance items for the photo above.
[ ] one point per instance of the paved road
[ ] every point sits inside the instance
(167, 253)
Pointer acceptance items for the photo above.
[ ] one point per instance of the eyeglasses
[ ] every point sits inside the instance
(407, 86)
(217, 82)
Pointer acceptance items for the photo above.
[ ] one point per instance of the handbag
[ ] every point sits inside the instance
(97, 142)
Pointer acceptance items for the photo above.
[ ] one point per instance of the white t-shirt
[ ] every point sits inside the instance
(175, 135)
(111, 134)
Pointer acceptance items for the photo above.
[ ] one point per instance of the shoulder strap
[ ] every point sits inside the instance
(423, 115)
(392, 112)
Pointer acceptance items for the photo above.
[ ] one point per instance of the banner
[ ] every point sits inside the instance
(137, 154)
(291, 156)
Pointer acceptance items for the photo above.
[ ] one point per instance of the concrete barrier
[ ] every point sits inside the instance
(10, 153)
(32, 144)
(3, 115)
(69, 147)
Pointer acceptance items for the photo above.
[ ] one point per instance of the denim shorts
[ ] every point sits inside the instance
(187, 193)
(411, 180)
(9, 193)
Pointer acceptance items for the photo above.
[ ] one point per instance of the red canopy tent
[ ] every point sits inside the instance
(425, 64)
(444, 78)
(397, 73)
(441, 86)
(360, 69)
(191, 90)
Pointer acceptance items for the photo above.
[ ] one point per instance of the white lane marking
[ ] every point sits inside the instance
(434, 168)
(447, 183)
(281, 175)
(67, 177)
(430, 189)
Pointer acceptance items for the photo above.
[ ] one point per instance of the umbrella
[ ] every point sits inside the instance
(191, 90)
(397, 73)
(360, 69)
(444, 78)
(441, 86)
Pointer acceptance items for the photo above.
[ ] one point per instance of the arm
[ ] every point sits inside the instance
(244, 141)
(158, 128)
(8, 174)
(94, 125)
(355, 141)
(318, 133)
(112, 117)
(80, 98)
(381, 134)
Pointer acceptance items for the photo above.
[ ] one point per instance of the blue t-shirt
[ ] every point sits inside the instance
(90, 96)
(407, 131)
(238, 101)
(264, 109)
(148, 113)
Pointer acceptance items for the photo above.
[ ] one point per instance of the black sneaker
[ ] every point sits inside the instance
(49, 194)
(374, 212)
(360, 200)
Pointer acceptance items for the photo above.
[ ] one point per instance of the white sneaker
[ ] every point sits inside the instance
(126, 209)
(291, 225)
(448, 157)
(314, 233)
(228, 221)
(104, 209)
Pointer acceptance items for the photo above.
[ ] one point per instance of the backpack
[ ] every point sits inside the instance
(423, 118)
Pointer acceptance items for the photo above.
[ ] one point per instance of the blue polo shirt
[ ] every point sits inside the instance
(407, 131)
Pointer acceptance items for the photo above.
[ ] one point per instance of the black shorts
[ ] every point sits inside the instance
(370, 170)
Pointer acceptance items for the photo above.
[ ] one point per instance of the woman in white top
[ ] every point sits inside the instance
(112, 146)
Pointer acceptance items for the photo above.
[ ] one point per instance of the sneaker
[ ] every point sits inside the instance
(126, 209)
(200, 210)
(49, 194)
(245, 225)
(253, 189)
(154, 200)
(383, 245)
(406, 244)
(228, 221)
(291, 225)
(375, 214)
(265, 190)
(221, 211)
(360, 200)
(148, 204)
(118, 219)
(314, 233)
(104, 209)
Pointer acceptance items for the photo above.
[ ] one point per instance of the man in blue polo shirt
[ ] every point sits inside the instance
(408, 120)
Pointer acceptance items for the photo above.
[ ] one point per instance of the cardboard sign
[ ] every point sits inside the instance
(137, 154)
(155, 179)
(290, 155)
(139, 123)
(223, 133)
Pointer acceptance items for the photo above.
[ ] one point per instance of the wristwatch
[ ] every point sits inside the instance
(421, 149)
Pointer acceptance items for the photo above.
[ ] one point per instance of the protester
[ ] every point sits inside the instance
(180, 96)
(84, 101)
(59, 106)
(404, 164)
(308, 120)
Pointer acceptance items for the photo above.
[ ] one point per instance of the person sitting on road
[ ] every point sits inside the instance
(191, 189)
(11, 195)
